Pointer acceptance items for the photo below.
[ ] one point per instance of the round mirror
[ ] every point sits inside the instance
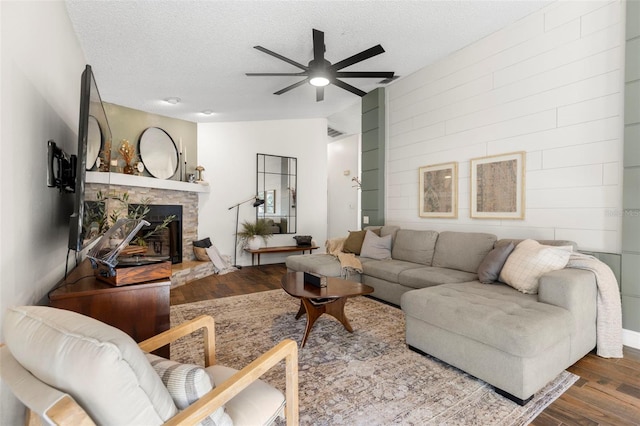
(158, 152)
(94, 142)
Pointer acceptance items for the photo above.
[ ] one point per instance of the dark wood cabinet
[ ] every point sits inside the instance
(140, 310)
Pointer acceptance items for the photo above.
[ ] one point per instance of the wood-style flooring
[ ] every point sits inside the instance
(607, 393)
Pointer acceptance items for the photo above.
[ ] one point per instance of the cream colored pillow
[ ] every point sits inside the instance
(529, 261)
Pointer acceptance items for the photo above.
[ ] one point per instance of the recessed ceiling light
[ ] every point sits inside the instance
(207, 112)
(172, 100)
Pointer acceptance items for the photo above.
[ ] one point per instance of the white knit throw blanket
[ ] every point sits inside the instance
(609, 306)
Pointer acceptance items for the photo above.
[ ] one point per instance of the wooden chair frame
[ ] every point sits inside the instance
(66, 411)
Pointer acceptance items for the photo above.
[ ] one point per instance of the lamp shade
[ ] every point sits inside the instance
(258, 202)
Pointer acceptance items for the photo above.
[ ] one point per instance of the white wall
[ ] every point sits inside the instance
(343, 205)
(551, 85)
(40, 90)
(228, 151)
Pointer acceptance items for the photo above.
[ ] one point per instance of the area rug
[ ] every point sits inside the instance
(368, 377)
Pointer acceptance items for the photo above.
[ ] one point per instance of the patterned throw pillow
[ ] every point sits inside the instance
(186, 384)
(529, 261)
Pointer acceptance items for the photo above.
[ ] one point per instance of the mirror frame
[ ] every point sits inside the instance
(154, 171)
(283, 194)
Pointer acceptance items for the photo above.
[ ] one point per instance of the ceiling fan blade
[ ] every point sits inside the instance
(319, 94)
(318, 46)
(365, 54)
(348, 87)
(365, 74)
(262, 74)
(282, 58)
(293, 86)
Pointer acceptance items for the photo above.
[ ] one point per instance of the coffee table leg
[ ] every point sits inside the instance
(313, 313)
(334, 308)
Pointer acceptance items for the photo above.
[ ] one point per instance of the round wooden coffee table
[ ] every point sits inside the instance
(315, 301)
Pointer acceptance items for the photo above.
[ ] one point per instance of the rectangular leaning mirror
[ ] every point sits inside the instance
(276, 184)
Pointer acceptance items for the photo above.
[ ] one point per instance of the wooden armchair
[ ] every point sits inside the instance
(73, 370)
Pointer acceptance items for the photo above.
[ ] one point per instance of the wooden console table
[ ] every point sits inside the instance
(281, 249)
(140, 310)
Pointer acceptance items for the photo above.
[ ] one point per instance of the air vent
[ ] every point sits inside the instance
(389, 80)
(333, 132)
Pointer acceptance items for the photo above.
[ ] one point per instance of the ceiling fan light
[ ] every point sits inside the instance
(319, 81)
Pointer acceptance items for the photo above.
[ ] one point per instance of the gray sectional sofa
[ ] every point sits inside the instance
(514, 341)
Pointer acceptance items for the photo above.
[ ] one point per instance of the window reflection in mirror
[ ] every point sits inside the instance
(276, 184)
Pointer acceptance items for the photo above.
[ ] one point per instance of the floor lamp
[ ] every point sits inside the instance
(256, 203)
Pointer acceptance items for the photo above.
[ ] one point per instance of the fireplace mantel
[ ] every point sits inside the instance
(144, 182)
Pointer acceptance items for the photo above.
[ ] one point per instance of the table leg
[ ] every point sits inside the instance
(334, 308)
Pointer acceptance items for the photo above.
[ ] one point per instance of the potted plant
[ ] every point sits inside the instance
(251, 233)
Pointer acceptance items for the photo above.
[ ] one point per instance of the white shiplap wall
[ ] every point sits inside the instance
(551, 85)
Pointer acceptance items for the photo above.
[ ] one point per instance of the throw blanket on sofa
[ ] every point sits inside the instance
(348, 261)
(609, 306)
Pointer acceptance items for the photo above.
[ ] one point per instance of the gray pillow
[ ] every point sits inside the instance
(490, 267)
(375, 247)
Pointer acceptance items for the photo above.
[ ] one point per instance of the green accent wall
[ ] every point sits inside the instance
(373, 157)
(630, 283)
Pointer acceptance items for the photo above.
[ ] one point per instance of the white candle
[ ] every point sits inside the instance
(185, 158)
(180, 146)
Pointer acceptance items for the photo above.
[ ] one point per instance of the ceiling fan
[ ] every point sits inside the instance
(320, 72)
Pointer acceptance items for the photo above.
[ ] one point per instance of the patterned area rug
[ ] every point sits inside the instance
(368, 377)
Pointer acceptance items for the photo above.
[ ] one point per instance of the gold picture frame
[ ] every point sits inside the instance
(498, 186)
(438, 190)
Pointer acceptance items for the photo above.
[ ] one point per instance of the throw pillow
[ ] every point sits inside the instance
(201, 254)
(186, 384)
(353, 243)
(529, 261)
(204, 243)
(375, 247)
(490, 267)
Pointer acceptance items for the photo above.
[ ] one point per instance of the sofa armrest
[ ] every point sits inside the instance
(572, 289)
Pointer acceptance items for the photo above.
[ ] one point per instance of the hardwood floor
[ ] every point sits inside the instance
(607, 393)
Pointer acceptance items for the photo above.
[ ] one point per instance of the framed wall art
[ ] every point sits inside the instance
(497, 186)
(438, 193)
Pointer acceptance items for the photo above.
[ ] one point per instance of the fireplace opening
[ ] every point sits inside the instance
(167, 242)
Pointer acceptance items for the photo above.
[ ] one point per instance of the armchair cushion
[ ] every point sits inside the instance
(72, 352)
(257, 402)
(186, 384)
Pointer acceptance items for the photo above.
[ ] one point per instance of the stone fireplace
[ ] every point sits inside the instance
(168, 193)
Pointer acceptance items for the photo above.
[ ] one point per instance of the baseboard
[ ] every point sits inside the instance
(631, 338)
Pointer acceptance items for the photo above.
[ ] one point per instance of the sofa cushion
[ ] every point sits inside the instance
(463, 251)
(496, 315)
(429, 275)
(529, 261)
(490, 267)
(375, 247)
(388, 270)
(322, 264)
(186, 384)
(414, 246)
(100, 366)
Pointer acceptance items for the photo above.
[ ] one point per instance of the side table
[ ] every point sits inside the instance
(140, 310)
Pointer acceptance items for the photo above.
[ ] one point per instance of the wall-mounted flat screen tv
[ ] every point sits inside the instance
(93, 132)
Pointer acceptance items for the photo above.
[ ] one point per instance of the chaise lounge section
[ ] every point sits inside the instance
(514, 341)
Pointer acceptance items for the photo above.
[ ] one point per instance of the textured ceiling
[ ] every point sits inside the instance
(145, 51)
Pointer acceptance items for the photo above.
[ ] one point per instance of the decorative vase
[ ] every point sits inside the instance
(128, 170)
(254, 243)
